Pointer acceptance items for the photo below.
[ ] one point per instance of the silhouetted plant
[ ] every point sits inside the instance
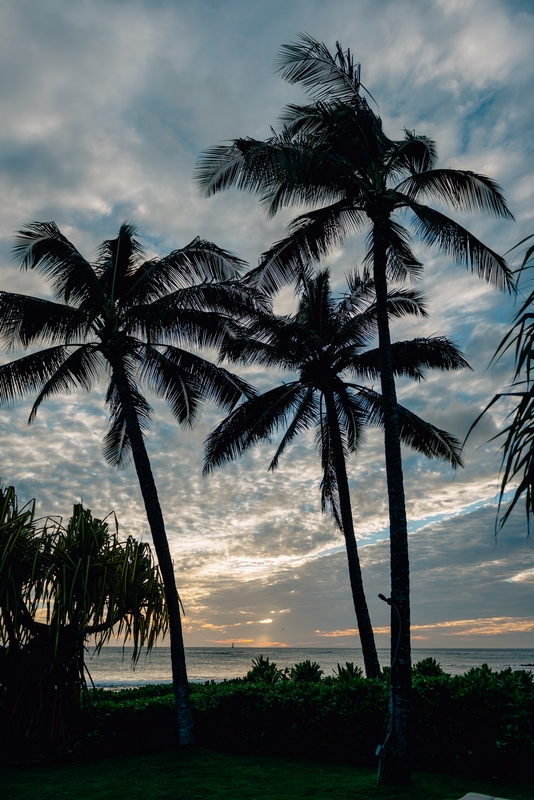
(129, 320)
(333, 157)
(327, 343)
(517, 464)
(306, 672)
(60, 586)
(428, 668)
(348, 674)
(263, 671)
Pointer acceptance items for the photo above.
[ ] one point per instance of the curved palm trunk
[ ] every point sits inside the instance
(396, 765)
(154, 514)
(367, 639)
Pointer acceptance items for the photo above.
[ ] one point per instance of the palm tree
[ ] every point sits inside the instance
(326, 343)
(333, 155)
(130, 318)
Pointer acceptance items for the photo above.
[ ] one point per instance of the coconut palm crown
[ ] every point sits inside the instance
(133, 321)
(327, 344)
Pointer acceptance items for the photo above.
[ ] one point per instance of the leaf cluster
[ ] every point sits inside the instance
(75, 582)
(124, 314)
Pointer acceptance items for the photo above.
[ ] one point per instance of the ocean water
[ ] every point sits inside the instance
(112, 669)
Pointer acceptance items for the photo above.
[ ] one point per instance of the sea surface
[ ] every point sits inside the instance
(112, 669)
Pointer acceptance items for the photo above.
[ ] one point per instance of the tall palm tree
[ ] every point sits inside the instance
(333, 156)
(132, 319)
(327, 343)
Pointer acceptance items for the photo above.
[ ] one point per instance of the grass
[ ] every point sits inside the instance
(200, 774)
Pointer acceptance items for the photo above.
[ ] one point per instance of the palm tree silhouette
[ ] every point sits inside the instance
(333, 156)
(326, 343)
(130, 318)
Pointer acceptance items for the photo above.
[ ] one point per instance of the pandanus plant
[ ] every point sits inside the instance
(61, 588)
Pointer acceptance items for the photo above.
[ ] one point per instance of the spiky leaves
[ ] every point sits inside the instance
(60, 589)
(517, 464)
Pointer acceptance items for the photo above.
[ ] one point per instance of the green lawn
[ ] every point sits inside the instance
(200, 774)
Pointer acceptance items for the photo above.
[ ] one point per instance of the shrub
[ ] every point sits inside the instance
(306, 672)
(427, 667)
(349, 674)
(263, 671)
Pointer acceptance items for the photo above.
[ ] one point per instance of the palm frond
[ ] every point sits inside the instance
(223, 166)
(518, 453)
(352, 418)
(310, 63)
(29, 373)
(80, 369)
(329, 484)
(421, 436)
(199, 261)
(116, 445)
(311, 237)
(306, 415)
(415, 154)
(204, 315)
(518, 448)
(401, 260)
(185, 381)
(252, 422)
(462, 190)
(29, 320)
(41, 246)
(412, 358)
(434, 228)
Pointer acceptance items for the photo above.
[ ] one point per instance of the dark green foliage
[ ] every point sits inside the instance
(306, 672)
(481, 723)
(293, 718)
(263, 671)
(349, 674)
(428, 667)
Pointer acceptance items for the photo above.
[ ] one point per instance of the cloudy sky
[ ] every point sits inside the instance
(105, 107)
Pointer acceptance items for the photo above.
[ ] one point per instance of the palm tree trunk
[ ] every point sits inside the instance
(396, 767)
(365, 629)
(154, 515)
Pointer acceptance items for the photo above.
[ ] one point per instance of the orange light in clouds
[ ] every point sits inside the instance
(489, 626)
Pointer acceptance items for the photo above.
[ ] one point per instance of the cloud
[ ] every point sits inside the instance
(494, 626)
(103, 123)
